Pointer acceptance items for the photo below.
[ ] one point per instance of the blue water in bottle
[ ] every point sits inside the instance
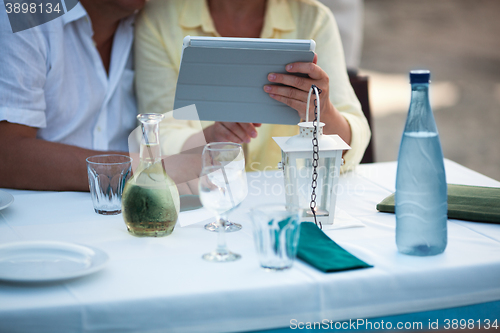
(421, 192)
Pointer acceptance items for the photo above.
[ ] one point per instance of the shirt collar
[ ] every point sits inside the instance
(278, 17)
(196, 14)
(74, 14)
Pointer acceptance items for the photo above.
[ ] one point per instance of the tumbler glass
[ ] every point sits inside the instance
(107, 177)
(276, 231)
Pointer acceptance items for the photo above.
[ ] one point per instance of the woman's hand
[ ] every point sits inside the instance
(231, 132)
(222, 132)
(296, 89)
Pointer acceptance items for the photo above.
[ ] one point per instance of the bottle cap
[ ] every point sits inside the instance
(420, 76)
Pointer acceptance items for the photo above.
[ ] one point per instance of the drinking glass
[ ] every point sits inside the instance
(222, 187)
(107, 177)
(232, 152)
(276, 230)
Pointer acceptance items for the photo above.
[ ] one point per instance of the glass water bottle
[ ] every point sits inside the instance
(421, 190)
(150, 200)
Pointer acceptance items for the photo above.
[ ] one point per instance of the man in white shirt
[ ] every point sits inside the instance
(66, 93)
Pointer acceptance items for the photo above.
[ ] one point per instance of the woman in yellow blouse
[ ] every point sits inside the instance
(161, 28)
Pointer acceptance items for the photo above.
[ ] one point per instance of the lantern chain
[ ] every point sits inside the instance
(315, 160)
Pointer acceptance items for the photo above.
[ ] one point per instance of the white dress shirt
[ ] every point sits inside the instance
(52, 78)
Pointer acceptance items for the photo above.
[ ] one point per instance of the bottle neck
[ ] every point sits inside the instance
(420, 117)
(419, 91)
(150, 144)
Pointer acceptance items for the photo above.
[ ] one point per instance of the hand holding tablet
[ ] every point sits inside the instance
(225, 78)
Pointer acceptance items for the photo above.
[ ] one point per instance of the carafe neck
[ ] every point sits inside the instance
(150, 144)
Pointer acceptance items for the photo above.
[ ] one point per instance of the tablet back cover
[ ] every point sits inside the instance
(227, 84)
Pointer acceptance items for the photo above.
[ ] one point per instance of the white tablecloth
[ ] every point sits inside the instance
(162, 284)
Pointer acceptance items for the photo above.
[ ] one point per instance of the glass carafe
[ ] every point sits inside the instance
(150, 201)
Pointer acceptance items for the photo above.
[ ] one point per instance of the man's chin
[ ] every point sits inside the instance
(131, 5)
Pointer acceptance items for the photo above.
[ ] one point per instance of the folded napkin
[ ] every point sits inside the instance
(318, 250)
(470, 203)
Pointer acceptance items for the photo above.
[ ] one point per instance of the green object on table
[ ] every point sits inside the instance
(319, 251)
(470, 203)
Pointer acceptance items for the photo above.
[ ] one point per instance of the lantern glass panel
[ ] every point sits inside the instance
(298, 174)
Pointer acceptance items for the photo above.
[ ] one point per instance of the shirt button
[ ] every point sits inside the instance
(98, 128)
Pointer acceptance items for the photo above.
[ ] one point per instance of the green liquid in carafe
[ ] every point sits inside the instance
(150, 207)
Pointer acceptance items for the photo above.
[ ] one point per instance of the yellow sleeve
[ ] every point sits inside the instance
(156, 74)
(331, 60)
(157, 61)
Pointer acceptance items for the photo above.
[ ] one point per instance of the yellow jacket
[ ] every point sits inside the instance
(160, 30)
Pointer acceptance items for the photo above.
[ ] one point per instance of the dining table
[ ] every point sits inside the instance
(162, 284)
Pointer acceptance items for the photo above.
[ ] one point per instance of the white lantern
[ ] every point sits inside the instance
(298, 161)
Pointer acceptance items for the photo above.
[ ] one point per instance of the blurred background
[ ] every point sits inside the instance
(459, 42)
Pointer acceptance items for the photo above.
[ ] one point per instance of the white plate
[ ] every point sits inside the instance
(6, 199)
(45, 261)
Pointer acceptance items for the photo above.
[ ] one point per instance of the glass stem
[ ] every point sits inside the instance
(221, 240)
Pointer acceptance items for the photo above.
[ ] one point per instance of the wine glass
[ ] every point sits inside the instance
(222, 187)
(224, 152)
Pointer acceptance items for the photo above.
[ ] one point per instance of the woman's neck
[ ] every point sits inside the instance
(238, 18)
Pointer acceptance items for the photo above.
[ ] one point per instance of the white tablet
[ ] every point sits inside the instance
(224, 78)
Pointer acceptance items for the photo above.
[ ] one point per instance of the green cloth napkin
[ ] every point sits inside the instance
(318, 250)
(470, 203)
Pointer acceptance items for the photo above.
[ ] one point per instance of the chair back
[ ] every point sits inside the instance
(360, 85)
